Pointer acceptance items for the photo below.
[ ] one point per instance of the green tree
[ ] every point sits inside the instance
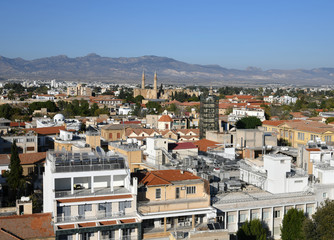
(292, 225)
(153, 108)
(6, 111)
(15, 178)
(321, 226)
(248, 123)
(252, 230)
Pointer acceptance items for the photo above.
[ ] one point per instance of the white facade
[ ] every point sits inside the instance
(157, 150)
(87, 190)
(275, 176)
(239, 113)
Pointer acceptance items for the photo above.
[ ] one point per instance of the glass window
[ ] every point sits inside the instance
(265, 215)
(277, 214)
(242, 218)
(230, 218)
(158, 193)
(191, 190)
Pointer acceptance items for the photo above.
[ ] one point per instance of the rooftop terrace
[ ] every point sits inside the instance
(84, 161)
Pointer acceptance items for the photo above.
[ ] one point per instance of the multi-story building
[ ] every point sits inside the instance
(209, 116)
(300, 132)
(239, 113)
(27, 143)
(90, 196)
(170, 200)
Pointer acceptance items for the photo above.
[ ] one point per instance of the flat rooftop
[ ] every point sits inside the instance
(84, 161)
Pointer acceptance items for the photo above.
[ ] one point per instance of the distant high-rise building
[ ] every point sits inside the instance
(208, 114)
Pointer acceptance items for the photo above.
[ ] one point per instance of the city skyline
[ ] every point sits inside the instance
(286, 35)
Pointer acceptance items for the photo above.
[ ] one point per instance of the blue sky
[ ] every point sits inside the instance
(234, 34)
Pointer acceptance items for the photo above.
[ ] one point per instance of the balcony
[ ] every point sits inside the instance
(88, 192)
(100, 216)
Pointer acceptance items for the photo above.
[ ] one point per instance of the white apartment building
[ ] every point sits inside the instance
(274, 174)
(90, 196)
(239, 113)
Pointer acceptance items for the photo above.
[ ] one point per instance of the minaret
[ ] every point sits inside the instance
(143, 80)
(155, 81)
(210, 91)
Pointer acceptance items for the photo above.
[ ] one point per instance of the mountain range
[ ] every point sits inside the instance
(129, 69)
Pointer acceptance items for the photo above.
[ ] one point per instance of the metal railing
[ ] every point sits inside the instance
(84, 168)
(87, 192)
(96, 217)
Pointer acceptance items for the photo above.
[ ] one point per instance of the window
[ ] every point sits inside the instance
(110, 135)
(328, 138)
(255, 215)
(301, 136)
(30, 148)
(309, 210)
(118, 135)
(242, 218)
(265, 215)
(230, 218)
(324, 195)
(158, 193)
(30, 140)
(30, 170)
(177, 192)
(277, 214)
(88, 207)
(191, 190)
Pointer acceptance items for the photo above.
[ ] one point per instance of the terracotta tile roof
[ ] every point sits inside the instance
(133, 220)
(174, 101)
(310, 126)
(90, 199)
(68, 226)
(108, 223)
(187, 131)
(181, 146)
(225, 105)
(31, 158)
(204, 143)
(273, 123)
(46, 130)
(25, 158)
(166, 177)
(190, 104)
(297, 115)
(4, 159)
(17, 124)
(165, 118)
(30, 226)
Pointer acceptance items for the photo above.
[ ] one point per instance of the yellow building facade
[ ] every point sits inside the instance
(300, 132)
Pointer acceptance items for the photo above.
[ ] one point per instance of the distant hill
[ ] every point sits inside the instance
(96, 68)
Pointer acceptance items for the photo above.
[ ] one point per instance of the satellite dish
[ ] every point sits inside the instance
(100, 151)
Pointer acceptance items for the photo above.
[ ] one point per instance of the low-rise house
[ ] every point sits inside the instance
(170, 200)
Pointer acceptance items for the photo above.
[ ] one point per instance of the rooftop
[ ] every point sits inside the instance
(166, 177)
(31, 226)
(84, 161)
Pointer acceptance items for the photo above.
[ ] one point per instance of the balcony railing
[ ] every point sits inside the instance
(84, 168)
(99, 216)
(88, 192)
